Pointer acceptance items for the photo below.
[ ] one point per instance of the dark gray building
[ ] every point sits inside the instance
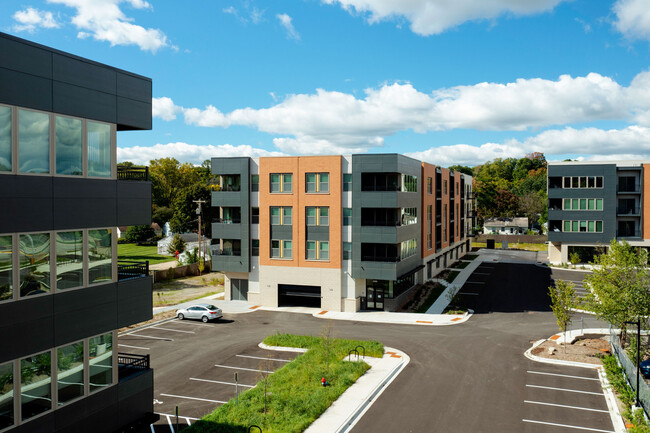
(591, 203)
(63, 293)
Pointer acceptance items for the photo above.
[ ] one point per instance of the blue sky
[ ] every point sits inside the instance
(459, 82)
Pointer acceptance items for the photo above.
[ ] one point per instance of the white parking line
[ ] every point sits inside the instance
(133, 347)
(563, 375)
(169, 421)
(563, 405)
(194, 398)
(241, 368)
(152, 429)
(174, 416)
(173, 330)
(563, 389)
(264, 359)
(189, 322)
(568, 426)
(149, 336)
(222, 383)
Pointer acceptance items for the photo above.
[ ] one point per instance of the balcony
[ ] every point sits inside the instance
(233, 220)
(128, 270)
(628, 189)
(627, 211)
(140, 174)
(129, 364)
(628, 233)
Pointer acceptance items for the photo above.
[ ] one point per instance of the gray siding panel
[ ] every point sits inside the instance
(25, 90)
(132, 112)
(134, 301)
(25, 58)
(132, 87)
(83, 74)
(83, 102)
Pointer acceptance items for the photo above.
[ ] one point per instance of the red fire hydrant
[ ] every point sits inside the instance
(323, 382)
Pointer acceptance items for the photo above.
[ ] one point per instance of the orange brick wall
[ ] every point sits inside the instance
(428, 170)
(445, 201)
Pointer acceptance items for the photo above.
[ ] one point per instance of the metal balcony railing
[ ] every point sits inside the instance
(133, 173)
(627, 210)
(628, 233)
(227, 220)
(129, 364)
(623, 189)
(225, 252)
(127, 269)
(380, 259)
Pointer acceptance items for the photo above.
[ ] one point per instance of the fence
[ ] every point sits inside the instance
(630, 370)
(178, 272)
(512, 239)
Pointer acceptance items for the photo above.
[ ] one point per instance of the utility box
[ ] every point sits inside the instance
(490, 244)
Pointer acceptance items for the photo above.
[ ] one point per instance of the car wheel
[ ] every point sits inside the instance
(204, 319)
(180, 316)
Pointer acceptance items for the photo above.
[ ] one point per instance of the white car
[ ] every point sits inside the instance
(204, 312)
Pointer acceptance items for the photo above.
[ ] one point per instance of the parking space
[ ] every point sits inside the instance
(475, 284)
(564, 399)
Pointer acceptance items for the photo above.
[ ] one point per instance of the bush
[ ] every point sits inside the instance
(574, 258)
(177, 244)
(139, 234)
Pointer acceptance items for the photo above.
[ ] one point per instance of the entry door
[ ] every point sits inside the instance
(238, 290)
(375, 298)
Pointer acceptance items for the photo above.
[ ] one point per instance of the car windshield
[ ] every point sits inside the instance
(211, 307)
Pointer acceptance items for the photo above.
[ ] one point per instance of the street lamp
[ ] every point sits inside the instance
(638, 355)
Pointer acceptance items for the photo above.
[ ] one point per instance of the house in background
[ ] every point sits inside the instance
(505, 226)
(191, 241)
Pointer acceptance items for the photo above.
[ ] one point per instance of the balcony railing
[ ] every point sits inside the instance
(127, 269)
(133, 173)
(627, 211)
(227, 220)
(130, 364)
(631, 189)
(380, 259)
(628, 233)
(225, 252)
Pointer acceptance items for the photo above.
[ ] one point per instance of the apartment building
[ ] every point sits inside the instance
(591, 203)
(63, 293)
(341, 233)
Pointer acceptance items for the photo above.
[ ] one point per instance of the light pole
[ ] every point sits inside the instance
(638, 355)
(198, 212)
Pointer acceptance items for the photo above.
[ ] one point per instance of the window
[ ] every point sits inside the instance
(70, 372)
(231, 215)
(318, 250)
(69, 260)
(429, 185)
(582, 226)
(599, 226)
(33, 142)
(35, 380)
(582, 182)
(317, 216)
(255, 182)
(311, 250)
(68, 146)
(286, 249)
(347, 181)
(255, 215)
(281, 182)
(444, 187)
(231, 247)
(281, 215)
(100, 253)
(255, 247)
(582, 204)
(99, 149)
(6, 279)
(281, 249)
(5, 144)
(599, 204)
(409, 183)
(100, 351)
(323, 250)
(408, 248)
(409, 216)
(231, 183)
(7, 395)
(34, 258)
(347, 216)
(275, 249)
(317, 182)
(347, 251)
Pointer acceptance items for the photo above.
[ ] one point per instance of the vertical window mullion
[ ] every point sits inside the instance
(52, 144)
(84, 148)
(85, 263)
(53, 262)
(54, 375)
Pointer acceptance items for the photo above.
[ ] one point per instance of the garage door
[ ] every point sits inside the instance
(291, 295)
(238, 290)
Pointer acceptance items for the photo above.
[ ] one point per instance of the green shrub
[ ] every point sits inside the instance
(177, 244)
(574, 258)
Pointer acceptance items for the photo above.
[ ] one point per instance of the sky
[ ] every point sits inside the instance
(447, 82)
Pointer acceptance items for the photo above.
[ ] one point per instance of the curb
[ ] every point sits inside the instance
(148, 325)
(610, 399)
(282, 348)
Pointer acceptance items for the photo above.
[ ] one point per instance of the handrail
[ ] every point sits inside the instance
(131, 363)
(129, 269)
(133, 173)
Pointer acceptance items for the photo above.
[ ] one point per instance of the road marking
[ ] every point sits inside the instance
(265, 359)
(173, 330)
(241, 368)
(194, 398)
(564, 375)
(189, 322)
(567, 390)
(562, 405)
(149, 336)
(169, 421)
(222, 383)
(568, 426)
(184, 417)
(133, 347)
(152, 429)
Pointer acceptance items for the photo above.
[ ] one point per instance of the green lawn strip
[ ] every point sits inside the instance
(616, 378)
(460, 265)
(452, 276)
(435, 294)
(469, 257)
(295, 397)
(141, 253)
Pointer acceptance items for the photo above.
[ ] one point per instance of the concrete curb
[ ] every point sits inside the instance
(610, 399)
(282, 348)
(148, 325)
(423, 322)
(560, 268)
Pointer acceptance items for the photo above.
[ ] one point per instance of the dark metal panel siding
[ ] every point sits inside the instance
(25, 90)
(317, 233)
(132, 87)
(81, 203)
(25, 58)
(27, 327)
(282, 232)
(229, 231)
(83, 74)
(83, 102)
(131, 112)
(97, 413)
(133, 203)
(134, 301)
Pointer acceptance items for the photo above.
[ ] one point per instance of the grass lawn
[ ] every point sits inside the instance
(433, 296)
(469, 257)
(452, 276)
(514, 246)
(294, 395)
(139, 253)
(460, 265)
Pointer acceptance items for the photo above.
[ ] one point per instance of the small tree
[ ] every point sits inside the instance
(619, 286)
(177, 244)
(139, 234)
(562, 301)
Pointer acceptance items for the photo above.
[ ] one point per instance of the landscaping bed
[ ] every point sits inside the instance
(293, 397)
(187, 289)
(423, 298)
(588, 350)
(141, 253)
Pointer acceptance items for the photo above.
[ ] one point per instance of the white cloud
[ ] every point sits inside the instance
(30, 19)
(632, 142)
(104, 21)
(185, 152)
(428, 17)
(257, 15)
(164, 108)
(286, 22)
(210, 117)
(633, 18)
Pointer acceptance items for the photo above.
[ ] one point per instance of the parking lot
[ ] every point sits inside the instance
(197, 388)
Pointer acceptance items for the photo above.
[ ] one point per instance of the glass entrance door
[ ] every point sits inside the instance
(375, 292)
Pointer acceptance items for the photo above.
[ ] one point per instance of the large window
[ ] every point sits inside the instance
(408, 248)
(281, 249)
(582, 226)
(281, 215)
(99, 149)
(317, 182)
(317, 216)
(69, 140)
(100, 253)
(255, 182)
(34, 257)
(255, 247)
(582, 204)
(33, 142)
(6, 395)
(5, 141)
(6, 267)
(409, 216)
(347, 251)
(582, 182)
(35, 385)
(287, 251)
(347, 216)
(69, 259)
(429, 185)
(409, 183)
(100, 351)
(281, 182)
(347, 181)
(318, 250)
(70, 372)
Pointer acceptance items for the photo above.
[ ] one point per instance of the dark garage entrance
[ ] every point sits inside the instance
(238, 290)
(290, 295)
